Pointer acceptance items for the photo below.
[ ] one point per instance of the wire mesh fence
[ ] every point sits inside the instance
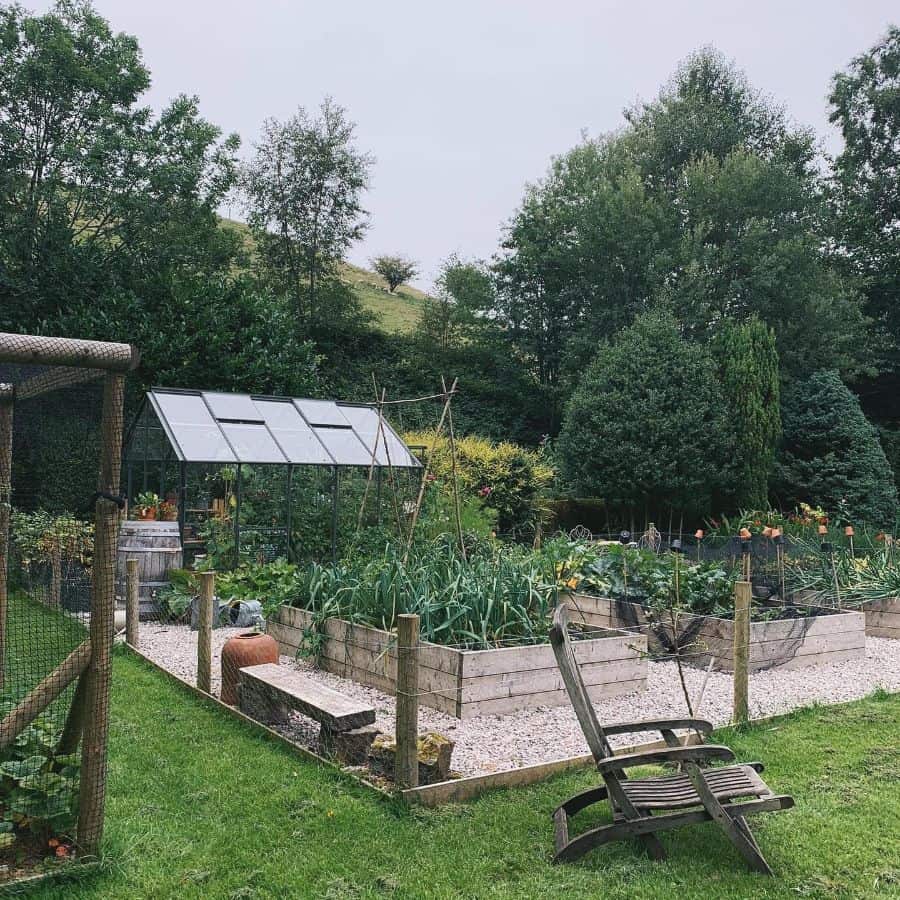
(61, 419)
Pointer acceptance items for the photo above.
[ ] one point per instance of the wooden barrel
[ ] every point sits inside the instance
(157, 548)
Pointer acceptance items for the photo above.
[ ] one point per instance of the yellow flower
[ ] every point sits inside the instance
(572, 583)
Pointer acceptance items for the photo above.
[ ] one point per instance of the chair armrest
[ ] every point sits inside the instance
(668, 754)
(658, 724)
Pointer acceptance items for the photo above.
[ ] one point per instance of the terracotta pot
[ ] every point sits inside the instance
(147, 515)
(248, 649)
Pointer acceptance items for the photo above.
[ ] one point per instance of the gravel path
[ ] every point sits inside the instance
(492, 743)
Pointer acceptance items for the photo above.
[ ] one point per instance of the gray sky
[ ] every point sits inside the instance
(464, 102)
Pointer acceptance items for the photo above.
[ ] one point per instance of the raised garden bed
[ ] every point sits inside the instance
(467, 683)
(883, 617)
(828, 637)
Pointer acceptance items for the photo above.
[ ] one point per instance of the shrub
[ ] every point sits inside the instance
(748, 370)
(831, 455)
(506, 478)
(645, 427)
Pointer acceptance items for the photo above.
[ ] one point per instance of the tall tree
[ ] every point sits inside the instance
(96, 194)
(645, 428)
(831, 456)
(749, 375)
(459, 312)
(709, 198)
(865, 105)
(304, 187)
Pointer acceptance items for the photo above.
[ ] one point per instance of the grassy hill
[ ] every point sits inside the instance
(396, 313)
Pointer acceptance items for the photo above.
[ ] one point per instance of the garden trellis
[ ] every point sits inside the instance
(190, 444)
(57, 586)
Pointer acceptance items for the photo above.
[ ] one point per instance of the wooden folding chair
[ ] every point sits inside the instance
(643, 807)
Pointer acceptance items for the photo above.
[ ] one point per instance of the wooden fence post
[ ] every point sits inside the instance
(742, 594)
(132, 602)
(6, 433)
(92, 791)
(204, 631)
(406, 763)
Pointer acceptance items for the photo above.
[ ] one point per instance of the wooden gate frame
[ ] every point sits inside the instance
(90, 662)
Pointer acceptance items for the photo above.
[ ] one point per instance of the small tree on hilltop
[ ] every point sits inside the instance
(395, 270)
(831, 455)
(646, 427)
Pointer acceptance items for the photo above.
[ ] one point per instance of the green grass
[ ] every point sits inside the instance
(397, 313)
(37, 639)
(202, 806)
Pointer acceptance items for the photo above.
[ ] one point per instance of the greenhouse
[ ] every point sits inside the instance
(257, 477)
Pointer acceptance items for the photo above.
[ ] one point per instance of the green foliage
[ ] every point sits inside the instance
(830, 454)
(645, 427)
(394, 270)
(658, 581)
(498, 595)
(504, 477)
(708, 198)
(39, 538)
(94, 192)
(748, 372)
(38, 786)
(866, 185)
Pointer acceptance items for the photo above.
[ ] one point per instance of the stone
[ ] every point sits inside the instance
(434, 753)
(350, 748)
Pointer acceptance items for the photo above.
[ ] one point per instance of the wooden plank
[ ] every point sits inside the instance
(337, 711)
(516, 684)
(502, 706)
(540, 656)
(460, 790)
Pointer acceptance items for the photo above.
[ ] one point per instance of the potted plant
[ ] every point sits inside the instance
(167, 511)
(147, 506)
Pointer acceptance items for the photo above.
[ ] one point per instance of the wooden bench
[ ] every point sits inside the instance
(268, 692)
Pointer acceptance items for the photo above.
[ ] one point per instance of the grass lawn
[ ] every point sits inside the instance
(202, 806)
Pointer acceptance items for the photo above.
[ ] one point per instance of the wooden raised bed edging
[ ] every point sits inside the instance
(883, 617)
(785, 643)
(467, 683)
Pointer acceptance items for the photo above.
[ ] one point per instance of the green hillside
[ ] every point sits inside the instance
(394, 313)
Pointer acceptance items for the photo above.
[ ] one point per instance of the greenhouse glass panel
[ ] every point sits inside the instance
(322, 412)
(294, 436)
(237, 407)
(253, 443)
(346, 448)
(364, 420)
(194, 429)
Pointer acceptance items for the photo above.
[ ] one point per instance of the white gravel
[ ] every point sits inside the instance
(493, 743)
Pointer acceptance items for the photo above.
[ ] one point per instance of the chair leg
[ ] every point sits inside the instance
(653, 847)
(751, 852)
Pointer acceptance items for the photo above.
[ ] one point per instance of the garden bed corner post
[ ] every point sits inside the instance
(741, 650)
(204, 631)
(132, 602)
(406, 763)
(92, 791)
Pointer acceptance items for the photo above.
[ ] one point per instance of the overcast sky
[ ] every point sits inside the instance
(463, 102)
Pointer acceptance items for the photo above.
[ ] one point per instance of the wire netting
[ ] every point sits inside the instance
(60, 446)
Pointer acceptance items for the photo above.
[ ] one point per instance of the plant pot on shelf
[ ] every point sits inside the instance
(147, 514)
(251, 648)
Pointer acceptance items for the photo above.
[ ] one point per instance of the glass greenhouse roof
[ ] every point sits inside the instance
(213, 427)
